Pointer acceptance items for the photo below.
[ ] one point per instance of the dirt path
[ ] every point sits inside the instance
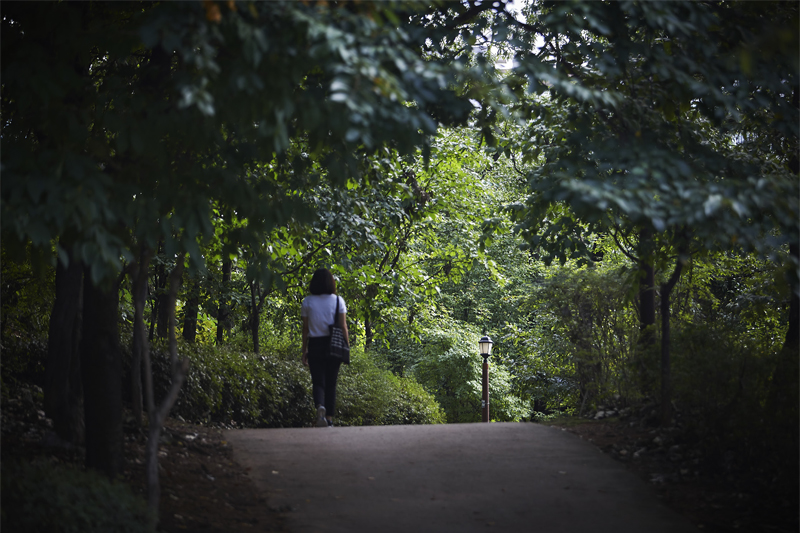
(455, 477)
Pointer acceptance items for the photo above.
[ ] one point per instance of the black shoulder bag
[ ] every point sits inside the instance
(339, 349)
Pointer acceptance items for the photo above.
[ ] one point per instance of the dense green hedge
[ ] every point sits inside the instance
(41, 497)
(370, 395)
(240, 388)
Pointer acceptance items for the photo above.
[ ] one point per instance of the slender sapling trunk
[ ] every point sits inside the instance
(157, 416)
(666, 375)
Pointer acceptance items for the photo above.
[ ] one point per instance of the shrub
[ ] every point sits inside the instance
(370, 395)
(23, 360)
(239, 388)
(722, 384)
(244, 389)
(41, 497)
(585, 339)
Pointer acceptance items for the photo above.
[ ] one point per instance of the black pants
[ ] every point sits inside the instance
(324, 373)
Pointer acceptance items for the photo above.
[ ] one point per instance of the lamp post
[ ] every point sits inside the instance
(485, 345)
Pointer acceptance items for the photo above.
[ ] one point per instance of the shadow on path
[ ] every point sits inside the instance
(457, 477)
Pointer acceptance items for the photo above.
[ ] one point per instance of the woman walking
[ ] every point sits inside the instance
(319, 312)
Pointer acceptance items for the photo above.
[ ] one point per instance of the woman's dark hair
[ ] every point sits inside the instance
(322, 282)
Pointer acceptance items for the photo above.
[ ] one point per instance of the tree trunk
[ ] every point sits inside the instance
(157, 324)
(139, 295)
(647, 310)
(255, 316)
(367, 330)
(101, 366)
(666, 375)
(63, 389)
(157, 416)
(369, 298)
(191, 310)
(153, 314)
(783, 399)
(224, 308)
(162, 297)
(791, 343)
(647, 303)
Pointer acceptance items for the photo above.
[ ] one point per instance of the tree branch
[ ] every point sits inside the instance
(304, 261)
(621, 247)
(470, 14)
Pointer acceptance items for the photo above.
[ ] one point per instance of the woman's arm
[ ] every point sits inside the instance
(305, 340)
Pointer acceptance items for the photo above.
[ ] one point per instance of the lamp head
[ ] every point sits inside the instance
(485, 345)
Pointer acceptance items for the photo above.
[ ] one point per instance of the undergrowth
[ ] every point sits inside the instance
(42, 497)
(241, 389)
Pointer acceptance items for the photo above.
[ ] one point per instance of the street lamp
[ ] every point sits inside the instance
(485, 345)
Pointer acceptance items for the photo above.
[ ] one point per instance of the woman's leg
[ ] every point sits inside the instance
(316, 365)
(331, 375)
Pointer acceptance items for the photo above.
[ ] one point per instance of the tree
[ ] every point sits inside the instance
(125, 125)
(644, 129)
(101, 372)
(63, 392)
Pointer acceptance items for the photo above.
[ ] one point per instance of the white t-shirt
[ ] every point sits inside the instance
(320, 308)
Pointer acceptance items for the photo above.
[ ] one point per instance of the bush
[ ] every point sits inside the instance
(236, 388)
(585, 339)
(243, 389)
(41, 497)
(370, 395)
(23, 360)
(721, 385)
